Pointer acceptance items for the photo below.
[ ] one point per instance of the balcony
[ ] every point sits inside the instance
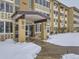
(55, 8)
(55, 17)
(76, 25)
(61, 10)
(41, 8)
(11, 1)
(55, 24)
(62, 25)
(62, 18)
(76, 13)
(66, 19)
(66, 12)
(66, 25)
(76, 20)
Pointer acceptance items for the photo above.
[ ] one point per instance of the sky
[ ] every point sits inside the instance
(71, 2)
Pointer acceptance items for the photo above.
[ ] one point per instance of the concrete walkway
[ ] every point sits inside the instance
(51, 51)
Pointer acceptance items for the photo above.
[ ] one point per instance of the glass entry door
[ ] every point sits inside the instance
(29, 30)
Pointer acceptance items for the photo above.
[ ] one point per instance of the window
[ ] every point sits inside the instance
(55, 29)
(43, 2)
(7, 7)
(56, 20)
(11, 8)
(7, 27)
(2, 15)
(56, 13)
(5, 15)
(11, 35)
(16, 27)
(65, 15)
(8, 16)
(11, 27)
(30, 3)
(36, 1)
(55, 5)
(48, 4)
(1, 27)
(40, 2)
(62, 9)
(16, 35)
(17, 2)
(48, 29)
(38, 27)
(16, 8)
(1, 6)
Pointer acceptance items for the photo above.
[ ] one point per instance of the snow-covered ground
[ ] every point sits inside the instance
(12, 50)
(67, 39)
(9, 49)
(70, 56)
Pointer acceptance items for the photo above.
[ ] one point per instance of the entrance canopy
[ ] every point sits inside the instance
(30, 15)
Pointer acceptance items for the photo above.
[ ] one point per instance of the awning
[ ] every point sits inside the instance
(30, 15)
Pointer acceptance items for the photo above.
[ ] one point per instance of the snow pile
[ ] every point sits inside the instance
(12, 50)
(70, 56)
(67, 39)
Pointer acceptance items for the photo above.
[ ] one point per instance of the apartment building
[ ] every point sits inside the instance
(36, 19)
(45, 17)
(63, 18)
(73, 19)
(31, 20)
(58, 17)
(6, 23)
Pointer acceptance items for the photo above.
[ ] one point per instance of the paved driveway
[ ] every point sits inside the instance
(50, 50)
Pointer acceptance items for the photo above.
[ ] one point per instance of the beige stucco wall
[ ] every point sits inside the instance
(22, 36)
(43, 31)
(24, 5)
(70, 20)
(51, 16)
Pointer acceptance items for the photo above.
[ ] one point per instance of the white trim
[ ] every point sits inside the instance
(37, 32)
(33, 17)
(6, 20)
(40, 10)
(9, 1)
(4, 27)
(5, 33)
(8, 33)
(15, 17)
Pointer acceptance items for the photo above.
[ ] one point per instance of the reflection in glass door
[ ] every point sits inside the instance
(29, 30)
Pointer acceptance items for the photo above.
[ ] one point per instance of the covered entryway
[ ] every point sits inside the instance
(26, 21)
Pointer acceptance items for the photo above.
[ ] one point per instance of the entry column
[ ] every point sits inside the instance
(22, 36)
(43, 30)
